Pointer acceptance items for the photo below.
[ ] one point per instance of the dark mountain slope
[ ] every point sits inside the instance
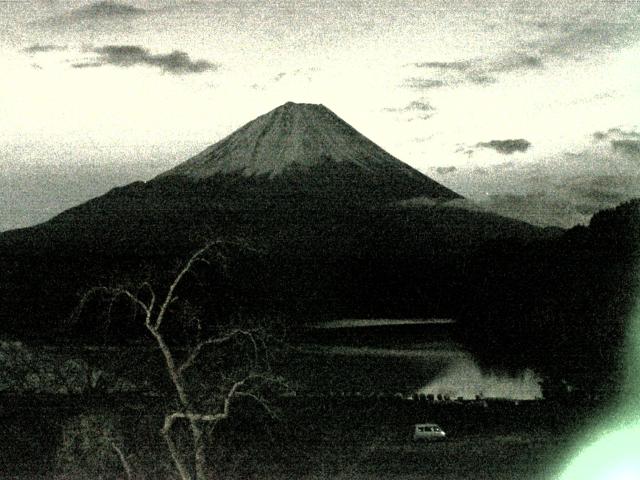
(318, 200)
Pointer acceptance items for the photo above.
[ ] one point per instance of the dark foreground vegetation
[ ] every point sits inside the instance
(213, 401)
(314, 438)
(518, 293)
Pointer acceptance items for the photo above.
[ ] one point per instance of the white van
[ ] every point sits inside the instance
(428, 432)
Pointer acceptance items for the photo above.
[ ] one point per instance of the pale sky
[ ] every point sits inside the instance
(530, 109)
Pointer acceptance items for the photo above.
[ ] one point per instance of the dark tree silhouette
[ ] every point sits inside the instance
(248, 381)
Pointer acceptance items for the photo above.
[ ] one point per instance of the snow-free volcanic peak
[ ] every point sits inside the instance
(305, 138)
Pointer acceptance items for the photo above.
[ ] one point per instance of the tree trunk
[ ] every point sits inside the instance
(199, 451)
(173, 450)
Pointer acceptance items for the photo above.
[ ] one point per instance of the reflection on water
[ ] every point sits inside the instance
(463, 378)
(400, 356)
(382, 322)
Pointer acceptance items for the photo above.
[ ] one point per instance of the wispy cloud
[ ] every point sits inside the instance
(478, 68)
(616, 133)
(626, 142)
(420, 106)
(580, 40)
(414, 110)
(515, 61)
(80, 65)
(107, 9)
(563, 190)
(477, 71)
(598, 192)
(42, 48)
(420, 83)
(458, 66)
(176, 62)
(95, 12)
(285, 78)
(506, 147)
(561, 41)
(563, 206)
(445, 170)
(628, 147)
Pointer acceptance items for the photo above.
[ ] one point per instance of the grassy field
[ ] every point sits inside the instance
(503, 442)
(315, 439)
(470, 457)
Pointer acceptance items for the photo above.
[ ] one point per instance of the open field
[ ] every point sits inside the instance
(315, 439)
(471, 457)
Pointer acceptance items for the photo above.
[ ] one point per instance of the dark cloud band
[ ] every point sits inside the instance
(107, 9)
(176, 62)
(445, 170)
(419, 83)
(39, 48)
(507, 147)
(628, 147)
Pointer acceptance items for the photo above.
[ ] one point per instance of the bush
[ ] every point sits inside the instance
(88, 447)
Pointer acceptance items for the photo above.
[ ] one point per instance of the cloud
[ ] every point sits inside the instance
(176, 62)
(600, 136)
(480, 71)
(544, 208)
(626, 142)
(107, 9)
(420, 83)
(623, 133)
(93, 13)
(616, 133)
(591, 194)
(425, 109)
(445, 170)
(628, 147)
(507, 147)
(38, 48)
(458, 66)
(549, 200)
(86, 65)
(418, 105)
(559, 190)
(576, 41)
(564, 40)
(290, 77)
(515, 61)
(479, 68)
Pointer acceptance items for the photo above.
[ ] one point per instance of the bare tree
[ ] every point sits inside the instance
(178, 362)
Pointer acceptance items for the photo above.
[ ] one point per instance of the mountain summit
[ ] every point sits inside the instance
(301, 140)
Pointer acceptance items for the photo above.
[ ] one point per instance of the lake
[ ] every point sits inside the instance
(405, 356)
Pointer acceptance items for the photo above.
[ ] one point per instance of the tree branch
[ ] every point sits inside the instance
(260, 401)
(123, 460)
(172, 368)
(170, 294)
(173, 449)
(197, 350)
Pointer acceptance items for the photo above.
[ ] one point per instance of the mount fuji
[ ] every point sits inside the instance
(330, 211)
